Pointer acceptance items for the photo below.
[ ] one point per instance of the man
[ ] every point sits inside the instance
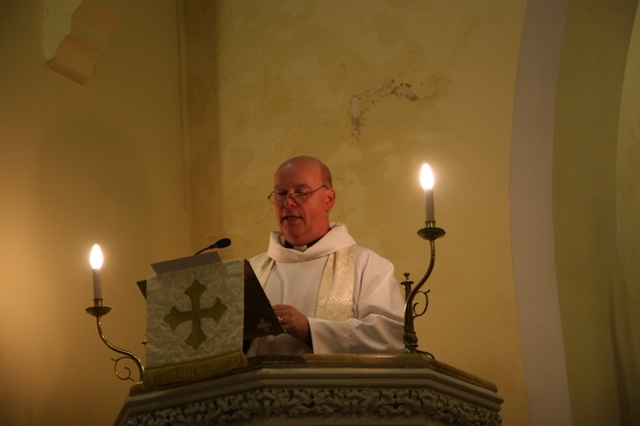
(329, 294)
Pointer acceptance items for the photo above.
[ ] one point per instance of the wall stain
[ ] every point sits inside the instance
(439, 85)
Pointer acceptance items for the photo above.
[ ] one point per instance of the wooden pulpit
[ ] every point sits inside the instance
(321, 390)
(196, 373)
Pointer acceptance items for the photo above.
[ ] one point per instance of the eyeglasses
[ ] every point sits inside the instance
(297, 197)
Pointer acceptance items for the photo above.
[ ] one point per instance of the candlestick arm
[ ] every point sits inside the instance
(99, 311)
(429, 232)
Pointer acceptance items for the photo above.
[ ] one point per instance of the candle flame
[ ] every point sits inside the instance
(95, 258)
(426, 177)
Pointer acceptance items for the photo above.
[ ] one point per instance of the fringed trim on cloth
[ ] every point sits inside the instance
(202, 368)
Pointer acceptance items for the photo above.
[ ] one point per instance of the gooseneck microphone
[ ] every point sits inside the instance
(221, 243)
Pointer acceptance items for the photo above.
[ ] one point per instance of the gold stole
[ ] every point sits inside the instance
(335, 295)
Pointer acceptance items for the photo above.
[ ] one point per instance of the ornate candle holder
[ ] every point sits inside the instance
(98, 311)
(430, 232)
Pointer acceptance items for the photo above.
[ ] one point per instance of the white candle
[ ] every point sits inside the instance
(427, 180)
(95, 259)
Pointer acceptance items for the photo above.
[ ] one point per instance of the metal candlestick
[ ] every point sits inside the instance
(430, 232)
(98, 311)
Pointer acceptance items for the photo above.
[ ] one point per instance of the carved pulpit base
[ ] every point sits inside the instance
(408, 389)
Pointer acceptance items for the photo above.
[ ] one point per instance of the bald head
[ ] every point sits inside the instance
(308, 163)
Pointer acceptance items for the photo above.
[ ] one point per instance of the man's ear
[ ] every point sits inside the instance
(330, 199)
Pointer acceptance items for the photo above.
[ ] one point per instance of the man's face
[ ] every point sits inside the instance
(308, 220)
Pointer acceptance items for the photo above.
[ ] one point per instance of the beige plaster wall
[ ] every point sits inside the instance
(375, 89)
(80, 165)
(595, 211)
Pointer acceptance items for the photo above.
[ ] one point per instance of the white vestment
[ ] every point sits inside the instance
(375, 323)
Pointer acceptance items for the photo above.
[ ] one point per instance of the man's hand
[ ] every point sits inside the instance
(293, 322)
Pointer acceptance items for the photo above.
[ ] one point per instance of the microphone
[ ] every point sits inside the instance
(221, 243)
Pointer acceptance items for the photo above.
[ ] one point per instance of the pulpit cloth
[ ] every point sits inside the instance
(195, 322)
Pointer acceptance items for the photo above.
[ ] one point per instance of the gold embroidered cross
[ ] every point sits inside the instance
(195, 315)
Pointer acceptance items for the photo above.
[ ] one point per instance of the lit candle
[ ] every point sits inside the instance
(427, 180)
(95, 259)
